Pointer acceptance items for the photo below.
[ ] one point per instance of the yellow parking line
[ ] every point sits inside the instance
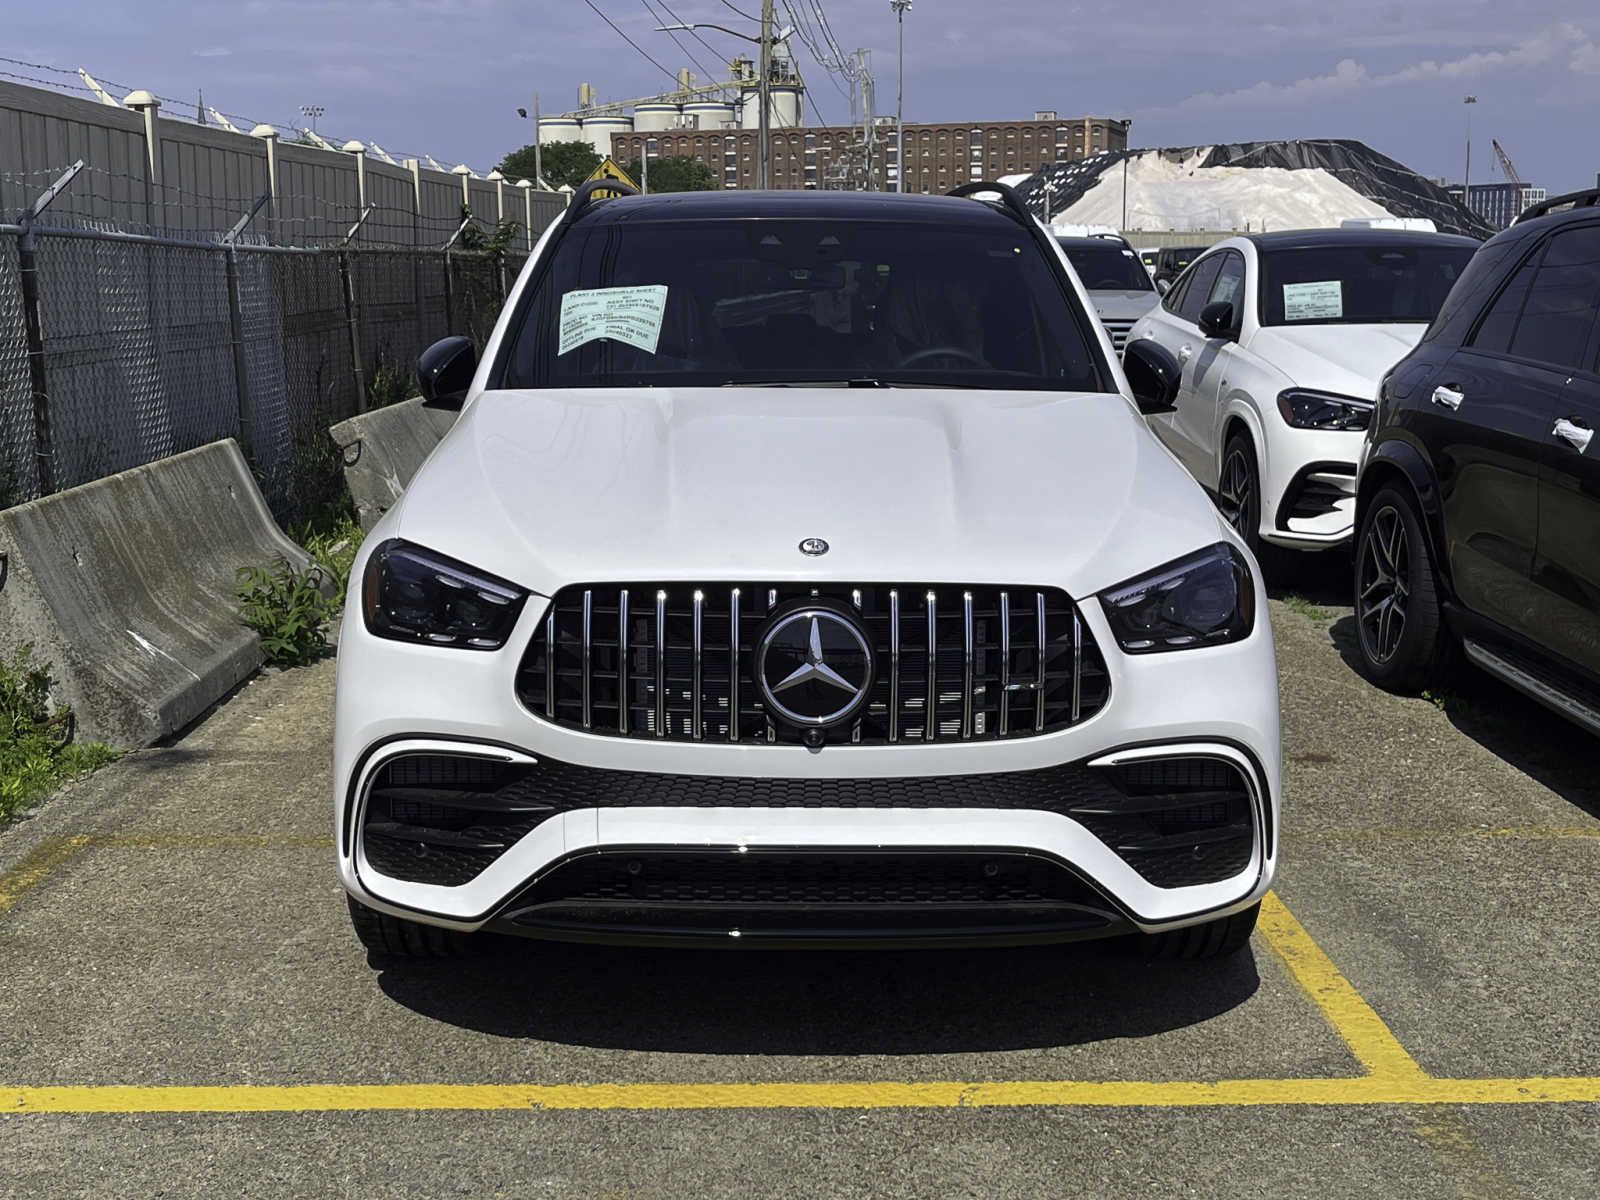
(1368, 1090)
(36, 866)
(1369, 1039)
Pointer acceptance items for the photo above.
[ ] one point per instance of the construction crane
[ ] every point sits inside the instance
(1506, 164)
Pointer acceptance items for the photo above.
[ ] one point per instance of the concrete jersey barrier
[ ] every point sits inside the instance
(382, 450)
(126, 586)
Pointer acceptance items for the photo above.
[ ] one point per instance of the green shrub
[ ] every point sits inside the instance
(332, 538)
(36, 750)
(287, 608)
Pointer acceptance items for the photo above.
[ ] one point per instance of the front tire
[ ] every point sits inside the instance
(394, 937)
(1239, 492)
(1213, 939)
(1404, 643)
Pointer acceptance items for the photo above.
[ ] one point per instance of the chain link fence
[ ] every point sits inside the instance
(140, 347)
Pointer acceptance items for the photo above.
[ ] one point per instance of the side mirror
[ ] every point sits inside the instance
(445, 371)
(1153, 374)
(1216, 319)
(1163, 286)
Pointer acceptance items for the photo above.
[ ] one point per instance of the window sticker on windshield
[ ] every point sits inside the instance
(625, 314)
(1322, 301)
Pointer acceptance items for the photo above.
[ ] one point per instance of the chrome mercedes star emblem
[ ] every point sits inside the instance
(813, 547)
(814, 667)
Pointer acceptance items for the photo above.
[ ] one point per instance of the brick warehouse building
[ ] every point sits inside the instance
(938, 156)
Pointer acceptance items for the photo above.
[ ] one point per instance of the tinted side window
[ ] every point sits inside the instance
(1174, 296)
(1499, 324)
(1230, 282)
(1560, 309)
(1204, 276)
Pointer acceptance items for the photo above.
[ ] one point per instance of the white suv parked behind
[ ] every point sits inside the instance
(799, 570)
(1283, 339)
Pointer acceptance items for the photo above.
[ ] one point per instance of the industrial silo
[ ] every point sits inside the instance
(560, 129)
(597, 131)
(711, 114)
(655, 117)
(783, 106)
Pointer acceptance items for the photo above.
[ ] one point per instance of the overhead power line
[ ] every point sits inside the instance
(684, 50)
(642, 53)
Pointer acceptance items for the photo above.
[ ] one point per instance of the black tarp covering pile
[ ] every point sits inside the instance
(1396, 188)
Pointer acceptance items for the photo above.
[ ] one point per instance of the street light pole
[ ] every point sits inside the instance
(764, 94)
(900, 7)
(1466, 179)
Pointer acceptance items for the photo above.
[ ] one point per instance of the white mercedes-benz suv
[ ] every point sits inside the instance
(1283, 339)
(799, 571)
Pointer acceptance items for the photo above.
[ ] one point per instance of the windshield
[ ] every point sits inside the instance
(1107, 266)
(800, 301)
(1377, 284)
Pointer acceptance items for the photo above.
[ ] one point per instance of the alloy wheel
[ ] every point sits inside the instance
(1385, 584)
(1234, 492)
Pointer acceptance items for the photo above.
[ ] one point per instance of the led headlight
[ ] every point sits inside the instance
(1204, 599)
(1307, 409)
(414, 595)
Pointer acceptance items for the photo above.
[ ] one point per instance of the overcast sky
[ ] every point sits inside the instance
(445, 77)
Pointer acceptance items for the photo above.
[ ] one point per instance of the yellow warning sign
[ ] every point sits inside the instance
(609, 170)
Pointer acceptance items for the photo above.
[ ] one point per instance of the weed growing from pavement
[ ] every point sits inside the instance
(1307, 609)
(390, 385)
(287, 609)
(331, 537)
(37, 753)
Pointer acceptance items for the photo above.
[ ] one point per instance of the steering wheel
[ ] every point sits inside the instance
(927, 352)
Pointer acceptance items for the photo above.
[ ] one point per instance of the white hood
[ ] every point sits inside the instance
(1347, 359)
(719, 484)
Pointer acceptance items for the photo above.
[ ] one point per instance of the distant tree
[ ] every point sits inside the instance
(674, 173)
(567, 163)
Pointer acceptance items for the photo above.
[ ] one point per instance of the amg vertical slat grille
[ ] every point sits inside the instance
(951, 663)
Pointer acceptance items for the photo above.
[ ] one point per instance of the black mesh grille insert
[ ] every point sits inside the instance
(726, 878)
(1177, 821)
(582, 672)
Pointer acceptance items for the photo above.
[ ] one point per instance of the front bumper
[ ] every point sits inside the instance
(1218, 704)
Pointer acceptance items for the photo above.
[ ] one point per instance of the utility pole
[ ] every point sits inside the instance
(764, 94)
(1466, 179)
(900, 8)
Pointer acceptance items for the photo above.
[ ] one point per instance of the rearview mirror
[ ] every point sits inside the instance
(445, 371)
(1163, 286)
(1216, 319)
(1153, 374)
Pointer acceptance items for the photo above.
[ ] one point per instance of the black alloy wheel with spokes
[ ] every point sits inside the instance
(1404, 642)
(1239, 492)
(1384, 584)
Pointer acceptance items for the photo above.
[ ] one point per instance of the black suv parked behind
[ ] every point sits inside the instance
(1478, 506)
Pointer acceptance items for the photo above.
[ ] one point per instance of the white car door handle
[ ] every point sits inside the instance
(1185, 352)
(1575, 435)
(1448, 396)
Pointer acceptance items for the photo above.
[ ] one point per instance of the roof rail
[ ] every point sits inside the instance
(1007, 193)
(586, 193)
(1585, 199)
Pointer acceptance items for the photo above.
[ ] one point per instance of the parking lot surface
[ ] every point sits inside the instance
(186, 1011)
